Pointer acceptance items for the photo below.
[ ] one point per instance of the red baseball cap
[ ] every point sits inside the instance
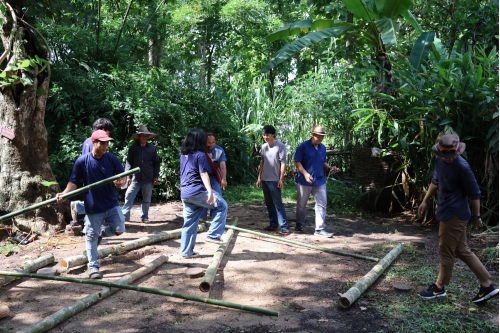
(100, 135)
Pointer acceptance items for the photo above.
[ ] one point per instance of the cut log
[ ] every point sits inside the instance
(58, 317)
(360, 287)
(29, 267)
(79, 260)
(194, 272)
(207, 281)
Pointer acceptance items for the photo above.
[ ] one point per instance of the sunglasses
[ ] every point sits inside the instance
(448, 150)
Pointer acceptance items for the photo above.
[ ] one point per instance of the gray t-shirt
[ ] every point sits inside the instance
(272, 159)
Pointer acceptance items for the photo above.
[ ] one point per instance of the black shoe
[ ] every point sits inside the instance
(270, 228)
(432, 292)
(485, 293)
(285, 231)
(299, 227)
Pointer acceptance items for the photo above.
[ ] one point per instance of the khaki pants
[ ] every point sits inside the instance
(453, 243)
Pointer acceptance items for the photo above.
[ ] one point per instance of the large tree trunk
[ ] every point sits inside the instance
(24, 161)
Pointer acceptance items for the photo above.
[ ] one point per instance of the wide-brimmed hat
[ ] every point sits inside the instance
(318, 130)
(448, 146)
(143, 130)
(100, 135)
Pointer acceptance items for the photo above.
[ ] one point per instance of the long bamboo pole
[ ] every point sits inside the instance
(58, 317)
(320, 248)
(79, 260)
(69, 194)
(29, 267)
(209, 277)
(146, 290)
(349, 297)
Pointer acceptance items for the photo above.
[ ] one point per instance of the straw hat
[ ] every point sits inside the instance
(143, 130)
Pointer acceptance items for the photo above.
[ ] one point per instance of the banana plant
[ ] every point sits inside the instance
(375, 23)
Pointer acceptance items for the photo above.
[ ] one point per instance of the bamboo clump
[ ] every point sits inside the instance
(348, 298)
(29, 267)
(79, 260)
(146, 290)
(211, 271)
(58, 317)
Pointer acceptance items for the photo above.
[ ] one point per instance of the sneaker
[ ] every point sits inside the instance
(94, 273)
(145, 220)
(214, 240)
(323, 233)
(195, 254)
(299, 227)
(270, 228)
(486, 293)
(285, 231)
(432, 292)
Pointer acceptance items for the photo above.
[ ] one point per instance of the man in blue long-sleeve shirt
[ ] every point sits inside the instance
(456, 186)
(143, 155)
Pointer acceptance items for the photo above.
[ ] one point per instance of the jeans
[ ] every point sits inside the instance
(274, 204)
(319, 194)
(94, 229)
(193, 207)
(453, 243)
(133, 189)
(215, 188)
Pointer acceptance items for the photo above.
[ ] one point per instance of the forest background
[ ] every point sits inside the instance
(386, 74)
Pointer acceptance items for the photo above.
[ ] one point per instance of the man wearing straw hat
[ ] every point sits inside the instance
(310, 161)
(143, 155)
(456, 187)
(101, 203)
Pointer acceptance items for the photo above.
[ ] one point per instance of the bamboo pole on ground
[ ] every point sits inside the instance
(29, 267)
(320, 248)
(69, 194)
(349, 297)
(58, 317)
(79, 260)
(146, 290)
(209, 277)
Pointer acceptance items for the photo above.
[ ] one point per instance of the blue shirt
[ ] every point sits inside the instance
(217, 155)
(312, 160)
(192, 166)
(87, 146)
(456, 186)
(88, 170)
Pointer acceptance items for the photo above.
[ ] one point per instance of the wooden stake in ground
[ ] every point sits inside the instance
(29, 267)
(146, 290)
(58, 317)
(79, 260)
(348, 298)
(207, 281)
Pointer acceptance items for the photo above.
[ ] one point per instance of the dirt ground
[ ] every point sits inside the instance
(300, 283)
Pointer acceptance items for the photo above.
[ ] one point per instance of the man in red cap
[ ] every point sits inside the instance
(101, 203)
(456, 186)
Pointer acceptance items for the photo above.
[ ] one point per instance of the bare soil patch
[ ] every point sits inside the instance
(300, 283)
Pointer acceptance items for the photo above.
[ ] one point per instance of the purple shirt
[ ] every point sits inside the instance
(192, 166)
(456, 186)
(88, 170)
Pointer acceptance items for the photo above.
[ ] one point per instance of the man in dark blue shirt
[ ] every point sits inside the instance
(456, 186)
(101, 203)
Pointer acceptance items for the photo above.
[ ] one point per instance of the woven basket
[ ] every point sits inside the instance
(375, 179)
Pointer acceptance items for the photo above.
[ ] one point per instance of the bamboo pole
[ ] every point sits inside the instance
(79, 260)
(146, 290)
(320, 248)
(209, 277)
(69, 194)
(29, 267)
(348, 298)
(58, 317)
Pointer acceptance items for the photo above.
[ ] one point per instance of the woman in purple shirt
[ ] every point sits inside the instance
(197, 194)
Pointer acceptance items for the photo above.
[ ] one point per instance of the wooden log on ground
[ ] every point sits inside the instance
(29, 267)
(320, 248)
(58, 317)
(69, 194)
(348, 298)
(211, 271)
(79, 260)
(146, 290)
